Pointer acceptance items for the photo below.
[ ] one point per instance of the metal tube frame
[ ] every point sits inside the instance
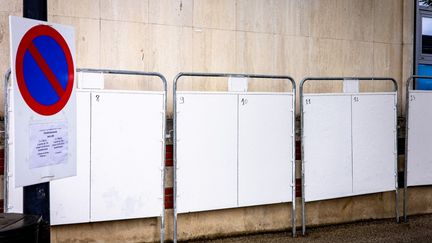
(227, 75)
(6, 141)
(104, 71)
(303, 208)
(407, 94)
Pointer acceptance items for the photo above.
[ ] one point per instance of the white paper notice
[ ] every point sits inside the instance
(48, 144)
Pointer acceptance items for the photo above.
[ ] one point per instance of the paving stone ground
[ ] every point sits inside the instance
(417, 229)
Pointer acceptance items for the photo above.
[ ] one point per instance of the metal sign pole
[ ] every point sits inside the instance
(36, 197)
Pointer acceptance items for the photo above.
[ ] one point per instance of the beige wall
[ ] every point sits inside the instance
(292, 37)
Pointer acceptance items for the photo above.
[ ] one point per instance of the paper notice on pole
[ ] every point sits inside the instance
(48, 144)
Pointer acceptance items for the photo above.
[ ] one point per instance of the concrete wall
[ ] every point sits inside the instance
(295, 37)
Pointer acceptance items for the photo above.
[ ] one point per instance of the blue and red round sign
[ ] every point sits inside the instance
(45, 70)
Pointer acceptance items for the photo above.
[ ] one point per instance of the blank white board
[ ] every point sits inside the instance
(206, 151)
(327, 146)
(14, 195)
(70, 197)
(349, 144)
(420, 138)
(266, 134)
(374, 147)
(126, 155)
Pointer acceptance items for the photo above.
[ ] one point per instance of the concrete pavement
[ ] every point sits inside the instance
(418, 229)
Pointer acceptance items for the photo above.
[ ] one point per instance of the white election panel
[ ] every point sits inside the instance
(420, 138)
(127, 150)
(327, 146)
(265, 148)
(70, 197)
(14, 194)
(374, 136)
(206, 151)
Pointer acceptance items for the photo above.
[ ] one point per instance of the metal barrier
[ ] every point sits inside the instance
(6, 139)
(228, 75)
(102, 71)
(409, 98)
(303, 135)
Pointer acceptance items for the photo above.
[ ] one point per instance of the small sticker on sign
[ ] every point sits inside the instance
(48, 144)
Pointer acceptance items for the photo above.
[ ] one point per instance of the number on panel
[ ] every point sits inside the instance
(244, 101)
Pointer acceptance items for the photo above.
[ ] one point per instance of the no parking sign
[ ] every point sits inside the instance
(43, 107)
(44, 55)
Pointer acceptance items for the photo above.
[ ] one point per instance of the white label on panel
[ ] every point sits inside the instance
(374, 134)
(237, 84)
(66, 206)
(351, 86)
(127, 154)
(327, 146)
(420, 138)
(265, 149)
(90, 80)
(206, 151)
(48, 144)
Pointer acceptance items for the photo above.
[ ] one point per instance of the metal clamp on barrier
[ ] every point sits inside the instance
(417, 138)
(158, 206)
(348, 138)
(218, 130)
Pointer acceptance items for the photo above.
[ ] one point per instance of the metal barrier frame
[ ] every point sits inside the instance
(228, 75)
(6, 139)
(303, 208)
(102, 71)
(407, 93)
